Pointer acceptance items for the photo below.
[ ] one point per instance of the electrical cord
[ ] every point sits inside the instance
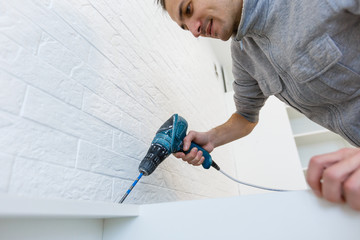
(253, 185)
(214, 165)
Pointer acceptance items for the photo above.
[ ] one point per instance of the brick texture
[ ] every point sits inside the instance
(84, 86)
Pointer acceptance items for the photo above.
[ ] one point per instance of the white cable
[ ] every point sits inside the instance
(252, 185)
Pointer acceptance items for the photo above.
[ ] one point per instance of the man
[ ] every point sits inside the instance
(307, 54)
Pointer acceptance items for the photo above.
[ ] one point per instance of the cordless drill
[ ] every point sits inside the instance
(168, 139)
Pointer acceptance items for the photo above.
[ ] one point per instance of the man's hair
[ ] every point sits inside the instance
(162, 3)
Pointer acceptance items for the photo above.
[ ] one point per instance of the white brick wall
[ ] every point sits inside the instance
(85, 84)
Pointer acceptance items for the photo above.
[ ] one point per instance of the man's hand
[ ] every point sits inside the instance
(195, 157)
(234, 128)
(336, 176)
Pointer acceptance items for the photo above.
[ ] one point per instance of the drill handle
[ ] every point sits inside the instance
(208, 160)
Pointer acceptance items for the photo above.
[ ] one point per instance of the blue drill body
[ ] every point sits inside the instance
(169, 139)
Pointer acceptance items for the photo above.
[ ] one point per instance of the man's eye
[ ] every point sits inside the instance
(188, 9)
(184, 27)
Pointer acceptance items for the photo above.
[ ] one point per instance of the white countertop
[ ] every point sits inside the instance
(18, 206)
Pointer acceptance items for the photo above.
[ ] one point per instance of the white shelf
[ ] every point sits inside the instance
(301, 124)
(323, 135)
(312, 139)
(16, 206)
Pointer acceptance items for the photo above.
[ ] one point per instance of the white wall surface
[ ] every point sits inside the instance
(268, 156)
(84, 85)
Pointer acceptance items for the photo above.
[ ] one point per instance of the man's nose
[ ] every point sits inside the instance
(195, 28)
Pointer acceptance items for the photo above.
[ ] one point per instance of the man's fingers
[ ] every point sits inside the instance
(188, 139)
(191, 155)
(336, 175)
(198, 163)
(198, 160)
(194, 157)
(352, 190)
(317, 166)
(179, 154)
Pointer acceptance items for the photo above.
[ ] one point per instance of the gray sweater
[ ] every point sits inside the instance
(307, 54)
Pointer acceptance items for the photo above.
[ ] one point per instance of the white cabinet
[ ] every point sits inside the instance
(23, 218)
(312, 139)
(293, 215)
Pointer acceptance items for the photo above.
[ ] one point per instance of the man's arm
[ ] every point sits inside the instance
(236, 127)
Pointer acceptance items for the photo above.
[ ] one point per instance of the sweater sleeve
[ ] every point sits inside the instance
(248, 97)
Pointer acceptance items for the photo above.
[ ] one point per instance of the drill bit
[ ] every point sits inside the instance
(131, 187)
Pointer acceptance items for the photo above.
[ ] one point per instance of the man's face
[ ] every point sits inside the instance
(207, 18)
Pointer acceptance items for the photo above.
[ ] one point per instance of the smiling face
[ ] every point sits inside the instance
(207, 18)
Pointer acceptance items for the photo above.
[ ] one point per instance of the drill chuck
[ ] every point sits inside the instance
(168, 139)
(155, 155)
